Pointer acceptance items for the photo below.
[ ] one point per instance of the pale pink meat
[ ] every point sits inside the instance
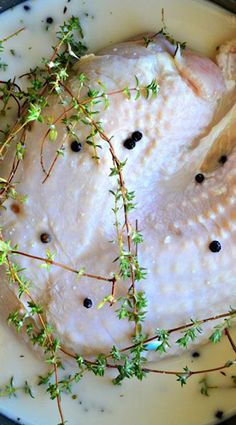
(177, 216)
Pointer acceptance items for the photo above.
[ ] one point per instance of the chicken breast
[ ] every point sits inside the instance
(185, 129)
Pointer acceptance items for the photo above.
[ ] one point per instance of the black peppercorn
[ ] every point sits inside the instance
(88, 303)
(215, 246)
(129, 144)
(49, 20)
(45, 238)
(136, 136)
(223, 159)
(199, 178)
(219, 414)
(76, 146)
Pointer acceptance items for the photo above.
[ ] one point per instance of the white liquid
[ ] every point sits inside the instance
(158, 399)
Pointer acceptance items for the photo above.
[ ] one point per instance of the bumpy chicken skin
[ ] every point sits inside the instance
(179, 216)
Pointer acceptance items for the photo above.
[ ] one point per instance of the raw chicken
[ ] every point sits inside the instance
(177, 216)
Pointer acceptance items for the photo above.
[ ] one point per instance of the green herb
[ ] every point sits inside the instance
(205, 387)
(10, 390)
(50, 256)
(190, 334)
(3, 65)
(28, 390)
(107, 299)
(127, 310)
(17, 319)
(163, 340)
(168, 36)
(152, 89)
(130, 362)
(165, 33)
(44, 380)
(182, 378)
(99, 367)
(216, 336)
(133, 365)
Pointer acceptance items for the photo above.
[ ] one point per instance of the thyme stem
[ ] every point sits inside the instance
(14, 34)
(62, 266)
(227, 333)
(190, 372)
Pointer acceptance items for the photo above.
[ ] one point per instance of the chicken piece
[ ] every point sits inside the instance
(178, 217)
(226, 59)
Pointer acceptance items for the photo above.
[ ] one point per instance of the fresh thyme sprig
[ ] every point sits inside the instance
(49, 261)
(48, 79)
(3, 65)
(204, 382)
(40, 336)
(165, 33)
(190, 334)
(130, 361)
(128, 263)
(206, 387)
(10, 390)
(128, 365)
(219, 330)
(161, 335)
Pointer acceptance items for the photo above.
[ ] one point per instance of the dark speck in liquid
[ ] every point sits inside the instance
(49, 20)
(22, 355)
(195, 354)
(219, 414)
(223, 373)
(27, 7)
